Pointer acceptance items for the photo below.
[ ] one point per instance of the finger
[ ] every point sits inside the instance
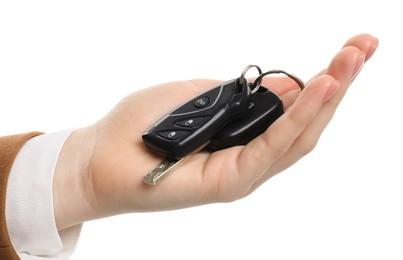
(259, 154)
(365, 42)
(280, 85)
(289, 98)
(343, 67)
(285, 87)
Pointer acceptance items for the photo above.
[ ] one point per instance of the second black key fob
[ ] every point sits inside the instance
(264, 108)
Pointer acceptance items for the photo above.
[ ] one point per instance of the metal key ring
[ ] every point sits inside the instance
(259, 79)
(242, 77)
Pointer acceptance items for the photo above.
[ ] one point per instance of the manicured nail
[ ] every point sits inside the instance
(332, 90)
(358, 66)
(372, 50)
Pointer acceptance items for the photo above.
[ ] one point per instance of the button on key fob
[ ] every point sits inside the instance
(192, 125)
(264, 108)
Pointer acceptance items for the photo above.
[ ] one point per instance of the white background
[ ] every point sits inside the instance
(65, 64)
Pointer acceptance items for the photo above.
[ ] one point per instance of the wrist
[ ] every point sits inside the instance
(71, 206)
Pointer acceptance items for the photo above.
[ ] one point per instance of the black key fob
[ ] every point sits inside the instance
(264, 108)
(191, 125)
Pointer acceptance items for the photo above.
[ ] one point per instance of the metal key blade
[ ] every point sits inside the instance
(160, 171)
(163, 168)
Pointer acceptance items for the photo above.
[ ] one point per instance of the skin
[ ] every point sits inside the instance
(100, 170)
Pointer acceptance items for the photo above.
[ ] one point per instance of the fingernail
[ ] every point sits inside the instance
(372, 50)
(358, 66)
(332, 90)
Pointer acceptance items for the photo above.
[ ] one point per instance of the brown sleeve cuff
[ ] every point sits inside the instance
(9, 148)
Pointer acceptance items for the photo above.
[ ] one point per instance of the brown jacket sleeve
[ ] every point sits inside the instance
(9, 147)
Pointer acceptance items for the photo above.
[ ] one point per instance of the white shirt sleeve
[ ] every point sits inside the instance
(29, 201)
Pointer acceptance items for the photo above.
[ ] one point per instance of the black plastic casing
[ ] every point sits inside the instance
(191, 125)
(265, 107)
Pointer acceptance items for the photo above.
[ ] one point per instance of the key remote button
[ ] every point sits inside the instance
(201, 102)
(173, 135)
(190, 106)
(191, 122)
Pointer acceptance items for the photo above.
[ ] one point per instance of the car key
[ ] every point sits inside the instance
(265, 107)
(189, 128)
(192, 124)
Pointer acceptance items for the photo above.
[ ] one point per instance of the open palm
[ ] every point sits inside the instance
(111, 175)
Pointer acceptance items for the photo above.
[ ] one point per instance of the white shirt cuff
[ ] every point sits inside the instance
(29, 204)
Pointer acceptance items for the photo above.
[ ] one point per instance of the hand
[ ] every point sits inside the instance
(101, 167)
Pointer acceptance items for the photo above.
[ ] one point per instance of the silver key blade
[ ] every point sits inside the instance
(160, 171)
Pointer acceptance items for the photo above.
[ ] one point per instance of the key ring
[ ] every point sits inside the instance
(259, 79)
(242, 77)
